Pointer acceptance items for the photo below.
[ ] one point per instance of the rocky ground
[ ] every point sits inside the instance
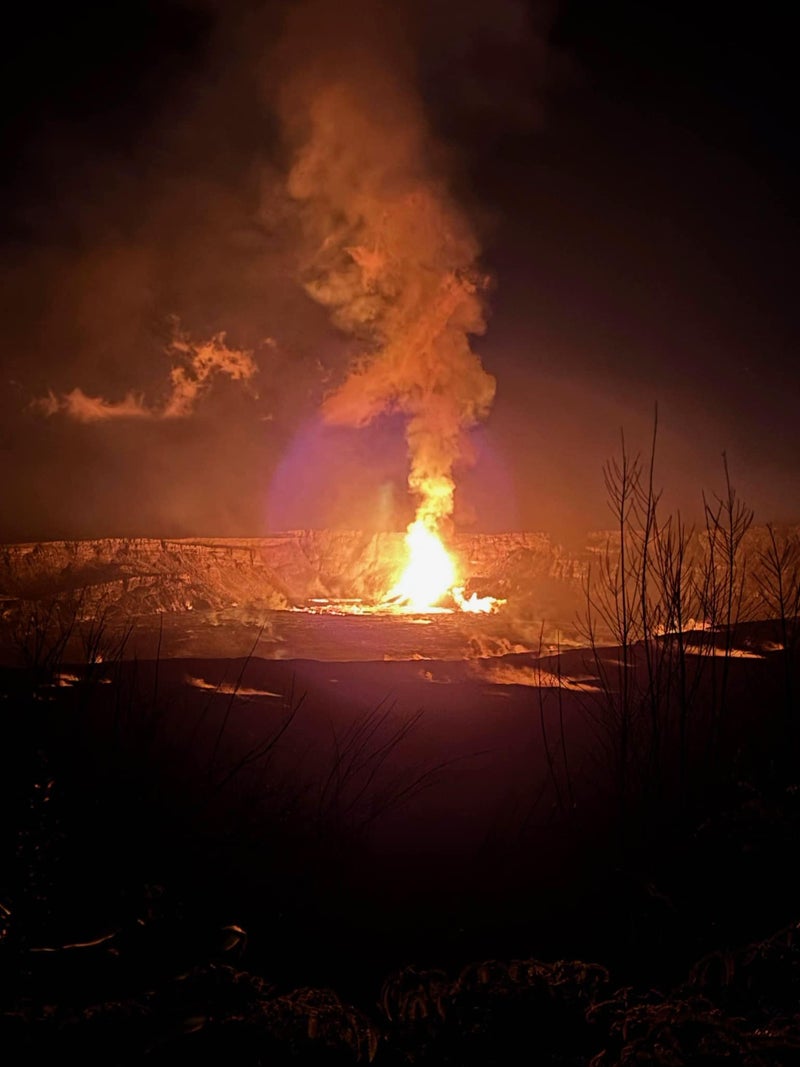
(138, 576)
(224, 597)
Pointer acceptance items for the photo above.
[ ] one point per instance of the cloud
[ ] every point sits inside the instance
(82, 408)
(196, 364)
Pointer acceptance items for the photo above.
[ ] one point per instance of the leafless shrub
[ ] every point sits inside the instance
(669, 601)
(307, 1017)
(69, 629)
(675, 1030)
(727, 521)
(778, 578)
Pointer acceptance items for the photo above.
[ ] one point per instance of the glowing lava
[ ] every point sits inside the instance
(476, 605)
(430, 572)
(428, 579)
(430, 576)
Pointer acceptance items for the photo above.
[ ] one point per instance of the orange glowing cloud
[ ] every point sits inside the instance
(196, 364)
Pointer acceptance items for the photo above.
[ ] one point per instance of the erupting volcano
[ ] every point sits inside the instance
(393, 258)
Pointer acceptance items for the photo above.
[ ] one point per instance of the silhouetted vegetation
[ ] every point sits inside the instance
(182, 882)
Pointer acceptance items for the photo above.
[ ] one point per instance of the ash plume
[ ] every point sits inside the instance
(389, 252)
(195, 365)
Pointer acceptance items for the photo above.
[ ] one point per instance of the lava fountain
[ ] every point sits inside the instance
(431, 576)
(430, 572)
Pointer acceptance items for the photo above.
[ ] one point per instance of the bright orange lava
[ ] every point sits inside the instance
(430, 572)
(431, 575)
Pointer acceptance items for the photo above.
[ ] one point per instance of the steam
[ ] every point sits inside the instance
(195, 365)
(389, 252)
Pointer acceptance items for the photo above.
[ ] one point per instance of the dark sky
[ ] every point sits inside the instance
(630, 169)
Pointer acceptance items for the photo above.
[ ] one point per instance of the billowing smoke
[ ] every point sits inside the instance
(389, 252)
(195, 365)
(244, 134)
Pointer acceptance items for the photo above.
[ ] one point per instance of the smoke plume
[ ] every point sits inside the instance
(389, 253)
(195, 365)
(238, 137)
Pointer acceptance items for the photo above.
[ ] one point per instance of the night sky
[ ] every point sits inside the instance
(629, 170)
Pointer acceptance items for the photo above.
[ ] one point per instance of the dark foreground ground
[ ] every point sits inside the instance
(255, 860)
